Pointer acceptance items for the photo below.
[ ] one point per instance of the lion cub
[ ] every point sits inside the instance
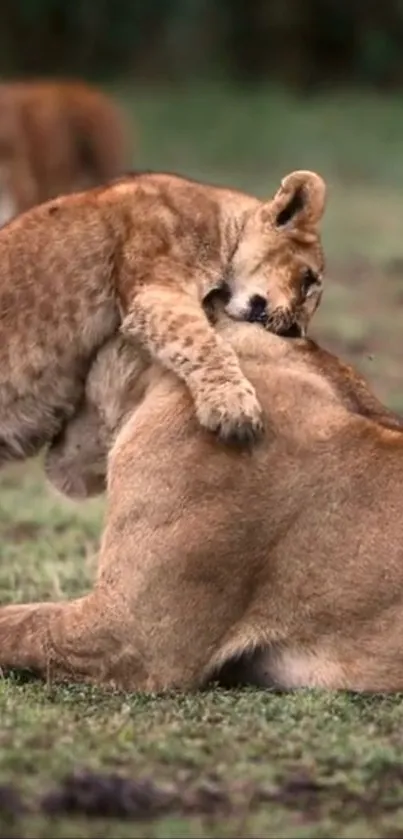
(140, 255)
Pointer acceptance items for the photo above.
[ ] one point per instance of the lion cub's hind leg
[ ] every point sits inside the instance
(76, 461)
(171, 324)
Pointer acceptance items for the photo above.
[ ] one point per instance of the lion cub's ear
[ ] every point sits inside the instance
(299, 203)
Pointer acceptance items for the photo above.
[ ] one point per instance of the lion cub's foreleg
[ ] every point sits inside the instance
(76, 461)
(172, 326)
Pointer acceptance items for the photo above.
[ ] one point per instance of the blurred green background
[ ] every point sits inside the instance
(295, 42)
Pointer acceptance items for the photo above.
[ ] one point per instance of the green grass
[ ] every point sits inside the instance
(240, 763)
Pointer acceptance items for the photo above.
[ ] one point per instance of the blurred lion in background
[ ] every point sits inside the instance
(56, 137)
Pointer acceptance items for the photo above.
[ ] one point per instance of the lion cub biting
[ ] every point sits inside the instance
(140, 255)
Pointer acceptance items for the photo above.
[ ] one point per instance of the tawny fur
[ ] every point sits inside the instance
(140, 255)
(56, 137)
(282, 564)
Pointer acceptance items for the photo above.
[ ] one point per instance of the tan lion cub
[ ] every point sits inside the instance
(141, 254)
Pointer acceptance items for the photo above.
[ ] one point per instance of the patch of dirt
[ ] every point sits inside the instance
(112, 796)
(107, 796)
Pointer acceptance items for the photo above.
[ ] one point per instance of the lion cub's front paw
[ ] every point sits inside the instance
(232, 412)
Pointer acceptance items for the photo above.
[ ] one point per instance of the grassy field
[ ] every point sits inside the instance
(75, 762)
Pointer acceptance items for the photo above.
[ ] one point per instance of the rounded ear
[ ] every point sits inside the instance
(300, 201)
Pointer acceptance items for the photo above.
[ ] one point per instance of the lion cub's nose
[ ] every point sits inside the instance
(257, 309)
